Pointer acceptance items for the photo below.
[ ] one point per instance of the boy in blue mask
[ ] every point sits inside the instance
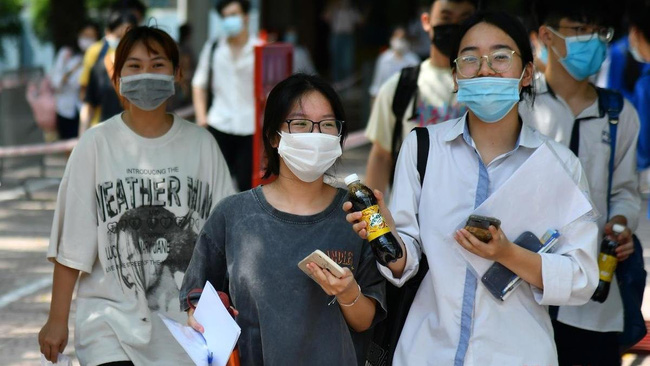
(567, 109)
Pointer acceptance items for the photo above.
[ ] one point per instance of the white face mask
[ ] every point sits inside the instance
(309, 155)
(85, 42)
(399, 45)
(637, 55)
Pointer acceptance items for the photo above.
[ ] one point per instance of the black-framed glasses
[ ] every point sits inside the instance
(585, 33)
(326, 126)
(499, 61)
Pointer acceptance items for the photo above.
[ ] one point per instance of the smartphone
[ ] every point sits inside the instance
(478, 225)
(323, 261)
(501, 281)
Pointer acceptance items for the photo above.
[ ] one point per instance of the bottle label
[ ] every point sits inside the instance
(376, 226)
(607, 266)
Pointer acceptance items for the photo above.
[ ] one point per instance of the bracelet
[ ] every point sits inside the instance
(355, 300)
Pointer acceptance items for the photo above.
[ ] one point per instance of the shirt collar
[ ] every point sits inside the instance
(528, 137)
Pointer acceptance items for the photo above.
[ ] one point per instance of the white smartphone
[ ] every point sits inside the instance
(323, 261)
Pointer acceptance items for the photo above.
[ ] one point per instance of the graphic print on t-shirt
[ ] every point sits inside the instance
(430, 115)
(149, 244)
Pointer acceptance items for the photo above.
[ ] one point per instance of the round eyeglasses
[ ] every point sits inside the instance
(584, 33)
(326, 126)
(498, 61)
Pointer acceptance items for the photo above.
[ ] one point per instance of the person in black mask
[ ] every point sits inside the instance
(417, 96)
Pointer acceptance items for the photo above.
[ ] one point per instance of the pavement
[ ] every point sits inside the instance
(26, 276)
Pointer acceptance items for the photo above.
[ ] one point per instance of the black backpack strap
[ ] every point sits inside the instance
(610, 102)
(406, 88)
(423, 151)
(213, 48)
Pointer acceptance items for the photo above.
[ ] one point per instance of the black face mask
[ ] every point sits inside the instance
(444, 36)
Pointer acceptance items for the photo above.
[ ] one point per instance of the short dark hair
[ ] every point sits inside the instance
(550, 12)
(639, 15)
(278, 106)
(117, 18)
(244, 4)
(148, 36)
(508, 24)
(476, 3)
(136, 5)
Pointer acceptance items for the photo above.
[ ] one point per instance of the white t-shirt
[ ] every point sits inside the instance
(388, 63)
(435, 100)
(128, 213)
(67, 94)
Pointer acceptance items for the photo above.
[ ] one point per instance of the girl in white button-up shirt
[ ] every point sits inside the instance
(454, 320)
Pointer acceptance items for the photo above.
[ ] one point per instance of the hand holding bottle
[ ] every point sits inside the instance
(354, 217)
(625, 245)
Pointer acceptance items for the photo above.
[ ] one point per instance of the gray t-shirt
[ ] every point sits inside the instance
(254, 250)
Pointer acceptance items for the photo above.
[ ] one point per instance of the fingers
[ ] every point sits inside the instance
(54, 354)
(191, 321)
(463, 237)
(347, 206)
(624, 251)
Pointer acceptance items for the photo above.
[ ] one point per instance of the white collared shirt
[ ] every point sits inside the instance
(233, 102)
(552, 116)
(517, 331)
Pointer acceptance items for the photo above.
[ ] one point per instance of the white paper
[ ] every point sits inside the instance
(192, 341)
(62, 360)
(539, 196)
(221, 330)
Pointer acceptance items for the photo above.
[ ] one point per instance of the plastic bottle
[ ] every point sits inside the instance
(383, 243)
(607, 264)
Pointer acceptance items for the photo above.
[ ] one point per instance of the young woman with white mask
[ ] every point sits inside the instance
(134, 196)
(454, 320)
(253, 242)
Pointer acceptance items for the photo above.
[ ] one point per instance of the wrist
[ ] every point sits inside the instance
(351, 297)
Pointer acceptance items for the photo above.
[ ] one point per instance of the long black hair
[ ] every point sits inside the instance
(278, 106)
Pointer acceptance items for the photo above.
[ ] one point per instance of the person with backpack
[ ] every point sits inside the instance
(590, 121)
(223, 90)
(629, 72)
(100, 100)
(454, 319)
(418, 96)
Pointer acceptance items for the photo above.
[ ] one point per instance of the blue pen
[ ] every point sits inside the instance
(210, 355)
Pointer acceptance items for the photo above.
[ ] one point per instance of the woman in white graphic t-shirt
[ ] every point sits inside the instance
(134, 196)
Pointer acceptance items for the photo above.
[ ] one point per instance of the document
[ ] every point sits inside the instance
(220, 335)
(539, 196)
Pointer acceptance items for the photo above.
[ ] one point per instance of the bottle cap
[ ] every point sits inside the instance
(351, 179)
(618, 228)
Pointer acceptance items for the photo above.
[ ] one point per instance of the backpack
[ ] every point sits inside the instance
(407, 88)
(399, 299)
(210, 95)
(630, 274)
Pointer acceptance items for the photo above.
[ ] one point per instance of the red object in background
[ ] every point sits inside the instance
(273, 63)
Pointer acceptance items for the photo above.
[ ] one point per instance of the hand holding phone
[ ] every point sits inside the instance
(323, 261)
(478, 225)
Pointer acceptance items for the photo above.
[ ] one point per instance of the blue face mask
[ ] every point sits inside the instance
(489, 98)
(583, 59)
(232, 25)
(542, 54)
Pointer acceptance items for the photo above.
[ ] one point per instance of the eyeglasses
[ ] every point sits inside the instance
(499, 61)
(326, 126)
(584, 33)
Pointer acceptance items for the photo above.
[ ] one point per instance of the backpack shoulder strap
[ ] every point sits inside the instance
(423, 151)
(213, 48)
(610, 102)
(406, 88)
